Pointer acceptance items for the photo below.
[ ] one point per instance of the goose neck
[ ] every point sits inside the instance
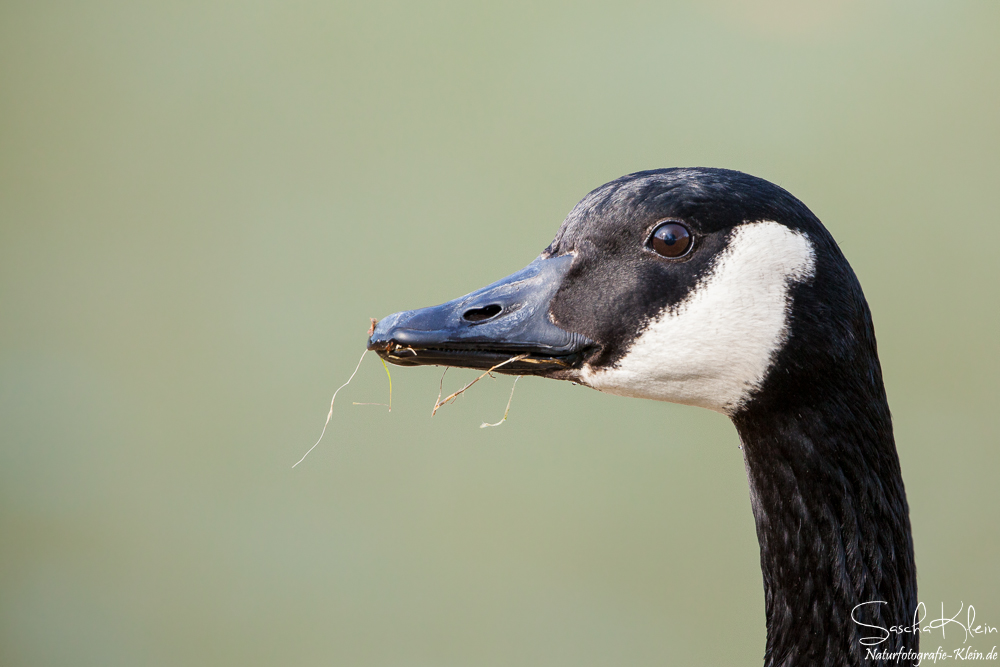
(833, 526)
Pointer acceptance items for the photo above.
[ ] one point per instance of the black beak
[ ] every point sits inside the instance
(480, 330)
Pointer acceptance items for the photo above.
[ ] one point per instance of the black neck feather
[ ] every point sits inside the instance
(831, 514)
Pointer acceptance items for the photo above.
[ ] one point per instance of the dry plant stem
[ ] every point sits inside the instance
(384, 405)
(390, 382)
(507, 411)
(330, 414)
(440, 389)
(439, 403)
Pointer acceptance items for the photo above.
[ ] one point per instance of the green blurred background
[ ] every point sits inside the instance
(202, 203)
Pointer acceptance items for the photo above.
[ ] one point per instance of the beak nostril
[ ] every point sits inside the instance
(480, 314)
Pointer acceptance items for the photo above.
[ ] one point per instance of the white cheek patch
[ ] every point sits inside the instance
(715, 348)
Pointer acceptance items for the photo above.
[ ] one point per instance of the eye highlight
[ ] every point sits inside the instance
(671, 239)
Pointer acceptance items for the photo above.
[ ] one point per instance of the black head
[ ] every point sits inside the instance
(685, 285)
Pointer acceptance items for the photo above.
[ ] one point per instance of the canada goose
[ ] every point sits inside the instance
(714, 288)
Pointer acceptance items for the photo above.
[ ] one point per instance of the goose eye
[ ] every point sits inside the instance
(671, 240)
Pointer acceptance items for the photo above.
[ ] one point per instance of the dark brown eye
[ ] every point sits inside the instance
(671, 239)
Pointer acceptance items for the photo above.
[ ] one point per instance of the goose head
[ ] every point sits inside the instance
(682, 285)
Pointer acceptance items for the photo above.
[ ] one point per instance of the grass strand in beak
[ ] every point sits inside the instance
(507, 411)
(330, 414)
(439, 402)
(390, 382)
